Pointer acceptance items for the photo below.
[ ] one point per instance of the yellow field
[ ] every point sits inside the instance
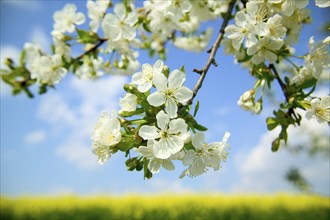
(167, 207)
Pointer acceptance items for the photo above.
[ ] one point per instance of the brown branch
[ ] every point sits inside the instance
(101, 41)
(213, 52)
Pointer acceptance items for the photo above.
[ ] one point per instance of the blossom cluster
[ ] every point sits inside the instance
(155, 123)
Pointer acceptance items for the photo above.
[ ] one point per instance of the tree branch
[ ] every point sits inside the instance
(213, 52)
(101, 41)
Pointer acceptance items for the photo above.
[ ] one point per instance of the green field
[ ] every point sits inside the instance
(167, 207)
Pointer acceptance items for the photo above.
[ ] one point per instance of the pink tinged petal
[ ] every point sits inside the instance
(120, 11)
(183, 94)
(131, 19)
(168, 164)
(177, 126)
(160, 81)
(176, 79)
(148, 132)
(189, 158)
(156, 99)
(158, 67)
(144, 87)
(154, 166)
(171, 108)
(79, 18)
(198, 140)
(162, 120)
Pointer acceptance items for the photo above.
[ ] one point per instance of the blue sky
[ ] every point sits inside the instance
(45, 141)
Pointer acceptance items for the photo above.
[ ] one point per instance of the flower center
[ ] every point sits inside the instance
(169, 93)
(164, 135)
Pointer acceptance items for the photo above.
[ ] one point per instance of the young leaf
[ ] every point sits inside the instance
(196, 108)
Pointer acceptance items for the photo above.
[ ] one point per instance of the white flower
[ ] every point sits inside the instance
(318, 57)
(48, 70)
(242, 30)
(144, 78)
(167, 135)
(67, 18)
(154, 163)
(322, 3)
(264, 50)
(276, 29)
(205, 155)
(194, 43)
(62, 49)
(170, 91)
(106, 134)
(96, 12)
(320, 109)
(119, 25)
(164, 22)
(128, 103)
(91, 68)
(288, 6)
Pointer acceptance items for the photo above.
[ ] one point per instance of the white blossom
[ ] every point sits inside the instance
(167, 135)
(289, 6)
(264, 50)
(48, 69)
(170, 92)
(128, 103)
(322, 3)
(91, 68)
(144, 78)
(67, 18)
(154, 163)
(106, 134)
(194, 43)
(205, 155)
(96, 11)
(119, 25)
(320, 109)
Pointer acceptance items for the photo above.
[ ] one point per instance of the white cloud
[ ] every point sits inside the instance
(261, 170)
(35, 137)
(74, 109)
(221, 111)
(23, 4)
(168, 186)
(40, 37)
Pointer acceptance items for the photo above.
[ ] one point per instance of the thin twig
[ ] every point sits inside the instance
(213, 52)
(101, 41)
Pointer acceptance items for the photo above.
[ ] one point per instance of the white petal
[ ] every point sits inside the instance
(162, 120)
(160, 82)
(197, 168)
(79, 18)
(137, 78)
(145, 151)
(158, 67)
(120, 11)
(156, 99)
(198, 140)
(144, 87)
(115, 33)
(129, 33)
(146, 68)
(168, 165)
(161, 149)
(148, 132)
(177, 126)
(176, 79)
(189, 158)
(171, 108)
(154, 166)
(131, 19)
(183, 94)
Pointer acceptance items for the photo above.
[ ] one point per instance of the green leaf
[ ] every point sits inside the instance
(147, 173)
(276, 145)
(128, 142)
(271, 123)
(182, 69)
(196, 108)
(87, 37)
(22, 57)
(200, 127)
